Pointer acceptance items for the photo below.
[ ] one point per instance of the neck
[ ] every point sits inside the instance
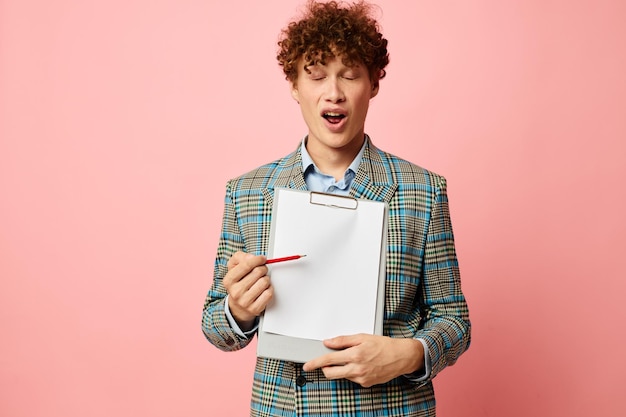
(334, 161)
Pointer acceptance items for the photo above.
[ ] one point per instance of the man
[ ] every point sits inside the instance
(334, 57)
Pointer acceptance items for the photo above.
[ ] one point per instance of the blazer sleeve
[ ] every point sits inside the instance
(446, 325)
(215, 325)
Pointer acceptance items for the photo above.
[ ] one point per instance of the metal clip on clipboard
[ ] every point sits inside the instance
(333, 200)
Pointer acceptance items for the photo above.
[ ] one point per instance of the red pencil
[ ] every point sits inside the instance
(286, 258)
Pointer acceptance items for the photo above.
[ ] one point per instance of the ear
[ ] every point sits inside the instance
(294, 92)
(375, 88)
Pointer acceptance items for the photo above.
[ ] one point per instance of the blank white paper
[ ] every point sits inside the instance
(333, 290)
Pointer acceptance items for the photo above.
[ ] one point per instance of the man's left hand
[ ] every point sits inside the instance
(369, 359)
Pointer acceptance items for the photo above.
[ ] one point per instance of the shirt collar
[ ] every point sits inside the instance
(307, 161)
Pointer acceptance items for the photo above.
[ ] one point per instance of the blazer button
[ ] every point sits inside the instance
(301, 381)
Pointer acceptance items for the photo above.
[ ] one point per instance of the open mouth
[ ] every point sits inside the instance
(333, 118)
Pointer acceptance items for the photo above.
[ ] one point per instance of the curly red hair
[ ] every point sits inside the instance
(333, 29)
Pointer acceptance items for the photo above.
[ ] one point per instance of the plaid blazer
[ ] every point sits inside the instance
(423, 296)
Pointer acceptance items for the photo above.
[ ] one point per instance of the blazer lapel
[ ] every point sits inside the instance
(373, 180)
(288, 175)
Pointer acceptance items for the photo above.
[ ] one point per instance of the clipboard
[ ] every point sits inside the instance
(338, 288)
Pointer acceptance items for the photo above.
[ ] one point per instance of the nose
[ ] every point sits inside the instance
(334, 92)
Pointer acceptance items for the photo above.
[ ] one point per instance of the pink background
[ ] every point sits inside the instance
(120, 122)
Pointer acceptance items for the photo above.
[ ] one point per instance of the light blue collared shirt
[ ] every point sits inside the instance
(316, 180)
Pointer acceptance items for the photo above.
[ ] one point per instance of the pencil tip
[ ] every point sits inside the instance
(302, 256)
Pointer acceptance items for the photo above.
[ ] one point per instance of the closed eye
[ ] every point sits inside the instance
(351, 75)
(317, 75)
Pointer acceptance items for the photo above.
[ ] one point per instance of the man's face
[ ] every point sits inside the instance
(334, 100)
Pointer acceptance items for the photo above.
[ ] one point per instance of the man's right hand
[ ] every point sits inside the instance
(248, 286)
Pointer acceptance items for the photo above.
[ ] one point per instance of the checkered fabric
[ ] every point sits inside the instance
(423, 297)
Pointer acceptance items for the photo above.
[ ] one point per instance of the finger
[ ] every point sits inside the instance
(245, 293)
(330, 359)
(250, 304)
(247, 271)
(338, 371)
(343, 342)
(240, 257)
(235, 259)
(341, 357)
(259, 304)
(250, 285)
